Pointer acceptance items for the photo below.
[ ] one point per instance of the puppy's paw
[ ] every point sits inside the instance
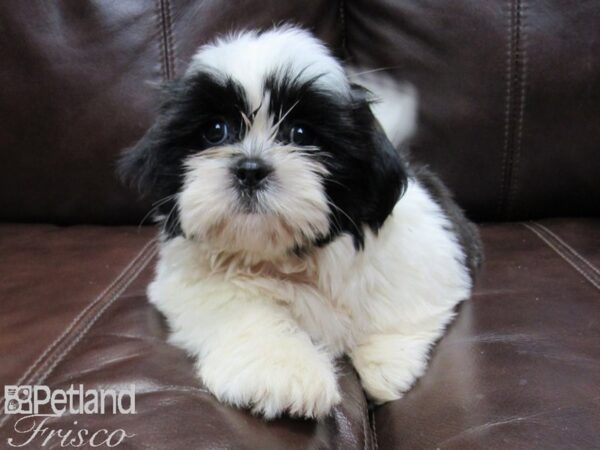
(273, 382)
(388, 365)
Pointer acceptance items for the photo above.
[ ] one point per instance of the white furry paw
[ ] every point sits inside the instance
(389, 364)
(275, 382)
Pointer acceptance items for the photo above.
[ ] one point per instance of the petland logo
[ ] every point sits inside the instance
(32, 428)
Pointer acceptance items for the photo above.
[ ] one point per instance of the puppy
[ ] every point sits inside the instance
(293, 232)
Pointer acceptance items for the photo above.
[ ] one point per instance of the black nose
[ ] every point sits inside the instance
(250, 172)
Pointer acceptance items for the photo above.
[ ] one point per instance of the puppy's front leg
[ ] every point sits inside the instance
(250, 351)
(389, 363)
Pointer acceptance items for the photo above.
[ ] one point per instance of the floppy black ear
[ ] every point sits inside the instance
(368, 175)
(388, 173)
(133, 167)
(136, 166)
(152, 165)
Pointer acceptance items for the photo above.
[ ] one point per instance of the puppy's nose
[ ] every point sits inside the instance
(250, 172)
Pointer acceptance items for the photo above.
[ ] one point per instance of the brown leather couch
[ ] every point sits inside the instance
(509, 117)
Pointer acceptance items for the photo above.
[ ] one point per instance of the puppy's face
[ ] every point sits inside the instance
(264, 147)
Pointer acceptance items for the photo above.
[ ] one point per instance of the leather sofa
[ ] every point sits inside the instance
(509, 116)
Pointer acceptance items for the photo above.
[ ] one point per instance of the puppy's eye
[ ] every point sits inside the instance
(216, 132)
(300, 135)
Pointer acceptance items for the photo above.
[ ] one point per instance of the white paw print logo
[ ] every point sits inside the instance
(18, 399)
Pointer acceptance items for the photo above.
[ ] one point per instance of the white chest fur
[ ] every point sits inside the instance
(412, 269)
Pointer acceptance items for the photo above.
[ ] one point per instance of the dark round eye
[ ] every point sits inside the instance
(300, 135)
(216, 132)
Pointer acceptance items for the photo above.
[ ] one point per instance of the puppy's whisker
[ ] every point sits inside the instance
(164, 200)
(148, 214)
(155, 207)
(345, 214)
(339, 183)
(287, 113)
(378, 69)
(246, 120)
(255, 112)
(273, 131)
(167, 221)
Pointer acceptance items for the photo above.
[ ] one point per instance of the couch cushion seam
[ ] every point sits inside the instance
(77, 318)
(29, 376)
(364, 427)
(115, 296)
(164, 38)
(161, 42)
(175, 388)
(563, 255)
(569, 253)
(170, 40)
(374, 428)
(568, 248)
(366, 423)
(520, 61)
(342, 17)
(514, 109)
(507, 105)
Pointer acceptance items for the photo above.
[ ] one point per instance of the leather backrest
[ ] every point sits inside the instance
(509, 93)
(509, 96)
(79, 83)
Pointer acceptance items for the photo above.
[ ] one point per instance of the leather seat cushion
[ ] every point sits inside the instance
(520, 365)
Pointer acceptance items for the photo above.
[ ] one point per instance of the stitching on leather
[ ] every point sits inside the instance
(507, 104)
(569, 248)
(583, 265)
(174, 388)
(342, 16)
(170, 40)
(119, 284)
(520, 60)
(115, 296)
(514, 107)
(161, 42)
(374, 428)
(364, 426)
(366, 422)
(563, 255)
(165, 41)
(76, 320)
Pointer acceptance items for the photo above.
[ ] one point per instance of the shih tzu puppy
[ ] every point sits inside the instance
(293, 232)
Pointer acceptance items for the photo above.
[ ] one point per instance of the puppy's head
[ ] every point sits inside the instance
(263, 146)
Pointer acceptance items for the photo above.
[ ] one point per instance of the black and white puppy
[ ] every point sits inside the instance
(293, 231)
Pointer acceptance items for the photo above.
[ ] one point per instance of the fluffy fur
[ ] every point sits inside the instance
(324, 243)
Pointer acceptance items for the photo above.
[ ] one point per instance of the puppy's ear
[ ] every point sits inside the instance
(385, 171)
(136, 166)
(367, 176)
(140, 166)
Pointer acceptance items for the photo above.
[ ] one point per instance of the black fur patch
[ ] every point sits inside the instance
(155, 164)
(367, 175)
